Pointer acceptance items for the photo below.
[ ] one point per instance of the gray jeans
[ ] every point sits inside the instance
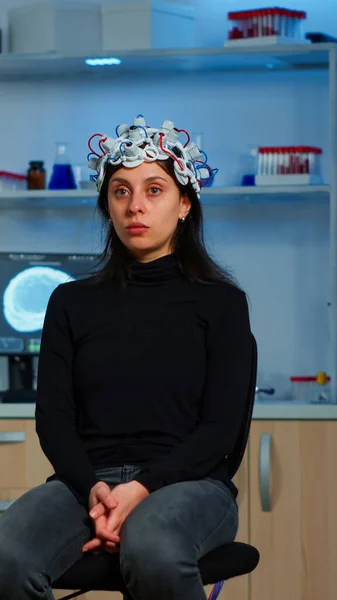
(42, 534)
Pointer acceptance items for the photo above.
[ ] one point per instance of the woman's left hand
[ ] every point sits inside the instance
(128, 495)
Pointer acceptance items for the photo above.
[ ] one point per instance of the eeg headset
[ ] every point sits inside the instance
(140, 142)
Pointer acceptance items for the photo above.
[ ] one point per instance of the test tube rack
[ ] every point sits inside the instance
(288, 165)
(266, 26)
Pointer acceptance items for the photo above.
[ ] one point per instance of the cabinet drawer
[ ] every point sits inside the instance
(22, 462)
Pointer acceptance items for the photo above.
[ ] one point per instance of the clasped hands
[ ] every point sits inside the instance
(109, 509)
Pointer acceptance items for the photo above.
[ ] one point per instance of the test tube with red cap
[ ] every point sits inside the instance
(260, 159)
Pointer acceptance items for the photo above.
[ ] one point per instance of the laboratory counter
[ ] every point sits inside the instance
(278, 410)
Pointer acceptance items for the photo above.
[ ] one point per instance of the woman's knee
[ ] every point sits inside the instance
(153, 547)
(19, 576)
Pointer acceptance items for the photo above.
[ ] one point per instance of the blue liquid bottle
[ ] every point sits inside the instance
(62, 177)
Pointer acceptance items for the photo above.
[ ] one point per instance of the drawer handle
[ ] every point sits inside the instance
(4, 504)
(264, 471)
(12, 437)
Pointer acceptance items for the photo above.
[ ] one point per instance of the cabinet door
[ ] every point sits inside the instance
(297, 534)
(22, 462)
(238, 588)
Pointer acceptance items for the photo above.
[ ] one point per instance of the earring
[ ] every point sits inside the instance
(182, 219)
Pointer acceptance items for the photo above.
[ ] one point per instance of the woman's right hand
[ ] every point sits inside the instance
(100, 492)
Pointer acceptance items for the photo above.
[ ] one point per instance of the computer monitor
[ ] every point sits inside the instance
(26, 283)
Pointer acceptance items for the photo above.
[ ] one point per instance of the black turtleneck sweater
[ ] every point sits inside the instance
(155, 375)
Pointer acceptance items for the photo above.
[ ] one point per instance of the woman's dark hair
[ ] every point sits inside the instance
(188, 241)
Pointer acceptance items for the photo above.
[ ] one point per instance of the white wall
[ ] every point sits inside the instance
(278, 253)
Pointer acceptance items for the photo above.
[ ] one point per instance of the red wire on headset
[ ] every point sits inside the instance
(89, 145)
(167, 151)
(188, 136)
(101, 142)
(203, 163)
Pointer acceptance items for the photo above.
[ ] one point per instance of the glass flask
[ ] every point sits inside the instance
(62, 177)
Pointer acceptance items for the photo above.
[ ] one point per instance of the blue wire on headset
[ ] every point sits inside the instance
(141, 127)
(112, 160)
(122, 144)
(116, 130)
(204, 165)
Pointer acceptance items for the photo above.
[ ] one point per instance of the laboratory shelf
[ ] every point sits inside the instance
(28, 199)
(53, 65)
(317, 194)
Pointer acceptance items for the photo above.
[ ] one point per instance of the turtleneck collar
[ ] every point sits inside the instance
(155, 271)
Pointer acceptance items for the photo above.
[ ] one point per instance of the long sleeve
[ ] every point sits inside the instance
(229, 353)
(55, 408)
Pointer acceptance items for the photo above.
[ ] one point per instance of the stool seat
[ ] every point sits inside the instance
(102, 572)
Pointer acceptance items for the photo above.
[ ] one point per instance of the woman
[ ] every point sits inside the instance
(143, 375)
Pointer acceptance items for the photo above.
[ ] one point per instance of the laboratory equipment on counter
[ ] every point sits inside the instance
(293, 165)
(266, 26)
(62, 177)
(311, 389)
(259, 392)
(323, 387)
(36, 175)
(12, 181)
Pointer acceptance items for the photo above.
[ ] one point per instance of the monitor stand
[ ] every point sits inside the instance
(22, 379)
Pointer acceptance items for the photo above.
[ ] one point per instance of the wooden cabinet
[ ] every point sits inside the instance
(22, 462)
(297, 534)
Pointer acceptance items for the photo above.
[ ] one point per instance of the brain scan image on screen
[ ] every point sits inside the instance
(26, 296)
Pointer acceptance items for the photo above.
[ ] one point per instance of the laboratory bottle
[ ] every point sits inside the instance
(36, 175)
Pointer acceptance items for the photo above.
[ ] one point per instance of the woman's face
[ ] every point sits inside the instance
(146, 194)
